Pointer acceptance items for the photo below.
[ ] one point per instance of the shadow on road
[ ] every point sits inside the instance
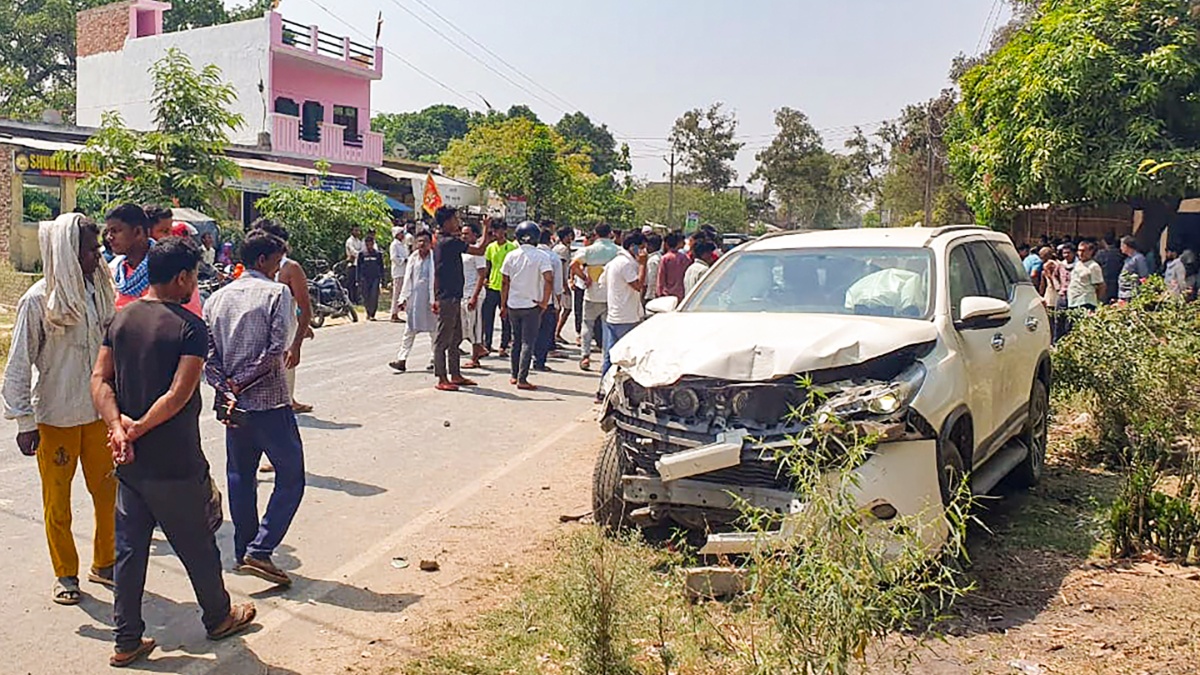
(350, 487)
(303, 589)
(308, 422)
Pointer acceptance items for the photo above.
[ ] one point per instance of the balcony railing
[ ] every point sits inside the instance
(331, 145)
(318, 42)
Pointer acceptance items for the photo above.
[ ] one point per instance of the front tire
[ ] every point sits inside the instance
(952, 471)
(1029, 472)
(317, 321)
(609, 509)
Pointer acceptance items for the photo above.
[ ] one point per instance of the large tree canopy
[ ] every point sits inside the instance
(704, 141)
(423, 135)
(1075, 101)
(812, 185)
(596, 142)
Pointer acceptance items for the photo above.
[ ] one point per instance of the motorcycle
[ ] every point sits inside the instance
(211, 279)
(329, 297)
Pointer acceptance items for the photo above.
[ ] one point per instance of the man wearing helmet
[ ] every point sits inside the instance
(528, 283)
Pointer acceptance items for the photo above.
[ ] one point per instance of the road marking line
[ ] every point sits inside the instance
(383, 549)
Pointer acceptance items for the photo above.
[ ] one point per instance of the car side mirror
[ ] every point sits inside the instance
(983, 312)
(664, 305)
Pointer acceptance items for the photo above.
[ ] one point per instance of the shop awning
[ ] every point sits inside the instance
(397, 205)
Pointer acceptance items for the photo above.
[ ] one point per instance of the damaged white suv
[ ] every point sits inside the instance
(934, 337)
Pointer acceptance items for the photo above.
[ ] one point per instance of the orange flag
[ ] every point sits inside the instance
(432, 201)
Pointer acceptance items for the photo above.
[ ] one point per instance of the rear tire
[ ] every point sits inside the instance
(317, 321)
(609, 509)
(952, 471)
(1029, 472)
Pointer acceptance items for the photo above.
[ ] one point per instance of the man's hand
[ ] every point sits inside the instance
(437, 306)
(292, 357)
(233, 387)
(643, 257)
(404, 306)
(473, 303)
(543, 305)
(308, 333)
(28, 442)
(503, 311)
(119, 443)
(133, 428)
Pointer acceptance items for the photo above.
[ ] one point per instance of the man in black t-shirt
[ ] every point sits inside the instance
(370, 275)
(448, 295)
(146, 387)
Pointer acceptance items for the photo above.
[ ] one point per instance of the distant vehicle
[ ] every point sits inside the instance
(933, 340)
(328, 295)
(732, 240)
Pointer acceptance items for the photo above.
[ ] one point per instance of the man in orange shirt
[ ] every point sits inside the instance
(127, 229)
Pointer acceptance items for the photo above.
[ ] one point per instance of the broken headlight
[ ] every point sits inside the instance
(877, 398)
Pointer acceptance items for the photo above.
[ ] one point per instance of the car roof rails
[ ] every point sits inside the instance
(947, 229)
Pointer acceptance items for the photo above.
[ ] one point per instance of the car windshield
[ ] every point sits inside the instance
(890, 282)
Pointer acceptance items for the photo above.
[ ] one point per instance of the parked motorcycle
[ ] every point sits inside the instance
(329, 297)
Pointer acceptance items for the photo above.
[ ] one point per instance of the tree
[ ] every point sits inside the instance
(918, 165)
(866, 166)
(183, 160)
(724, 211)
(523, 112)
(704, 140)
(319, 221)
(1070, 107)
(812, 184)
(596, 142)
(423, 135)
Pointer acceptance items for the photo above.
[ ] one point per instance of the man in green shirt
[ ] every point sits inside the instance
(497, 250)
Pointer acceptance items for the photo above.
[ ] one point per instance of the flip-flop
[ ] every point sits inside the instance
(66, 591)
(122, 659)
(265, 570)
(104, 576)
(240, 618)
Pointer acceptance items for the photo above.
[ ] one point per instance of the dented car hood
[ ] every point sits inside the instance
(758, 347)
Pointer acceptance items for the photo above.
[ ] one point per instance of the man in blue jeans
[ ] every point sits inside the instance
(251, 325)
(624, 282)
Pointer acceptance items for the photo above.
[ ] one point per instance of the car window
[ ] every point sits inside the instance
(1011, 263)
(962, 279)
(995, 283)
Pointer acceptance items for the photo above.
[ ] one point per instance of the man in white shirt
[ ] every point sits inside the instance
(59, 328)
(474, 281)
(1087, 280)
(354, 246)
(588, 266)
(398, 252)
(654, 244)
(624, 282)
(699, 267)
(526, 287)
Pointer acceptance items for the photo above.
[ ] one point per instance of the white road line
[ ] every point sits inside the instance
(383, 549)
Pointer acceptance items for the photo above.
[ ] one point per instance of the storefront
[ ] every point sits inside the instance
(42, 179)
(260, 176)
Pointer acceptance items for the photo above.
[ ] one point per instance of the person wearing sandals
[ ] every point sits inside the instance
(146, 386)
(251, 325)
(60, 324)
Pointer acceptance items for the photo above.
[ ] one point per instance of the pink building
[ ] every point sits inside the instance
(304, 93)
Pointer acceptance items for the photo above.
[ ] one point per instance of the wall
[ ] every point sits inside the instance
(121, 80)
(9, 219)
(101, 29)
(302, 81)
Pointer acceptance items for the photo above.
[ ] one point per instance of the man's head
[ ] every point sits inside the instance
(356, 232)
(499, 231)
(1023, 250)
(1067, 252)
(1110, 239)
(470, 233)
(704, 250)
(604, 231)
(1172, 251)
(1128, 246)
(619, 237)
(1087, 249)
(633, 242)
(172, 265)
(89, 247)
(566, 235)
(447, 220)
(1046, 254)
(547, 237)
(674, 240)
(160, 221)
(207, 240)
(369, 241)
(654, 242)
(423, 242)
(127, 229)
(263, 252)
(398, 233)
(528, 233)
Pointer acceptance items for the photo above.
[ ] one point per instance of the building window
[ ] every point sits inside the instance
(348, 118)
(286, 106)
(313, 114)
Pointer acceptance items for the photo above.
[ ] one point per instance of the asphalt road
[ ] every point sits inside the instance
(388, 458)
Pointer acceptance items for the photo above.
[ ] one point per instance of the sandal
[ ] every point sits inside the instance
(585, 363)
(66, 591)
(265, 570)
(103, 576)
(240, 618)
(122, 659)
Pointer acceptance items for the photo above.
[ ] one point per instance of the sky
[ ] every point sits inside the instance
(637, 65)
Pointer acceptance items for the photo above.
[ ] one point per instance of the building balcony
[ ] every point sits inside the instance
(327, 141)
(318, 47)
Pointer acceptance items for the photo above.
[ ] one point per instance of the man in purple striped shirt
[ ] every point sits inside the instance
(251, 325)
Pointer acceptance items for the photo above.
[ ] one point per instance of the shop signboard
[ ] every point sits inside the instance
(515, 210)
(262, 182)
(55, 164)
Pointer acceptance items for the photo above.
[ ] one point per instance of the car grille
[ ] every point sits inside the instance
(758, 469)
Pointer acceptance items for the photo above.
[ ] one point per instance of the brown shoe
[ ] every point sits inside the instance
(240, 618)
(122, 659)
(265, 570)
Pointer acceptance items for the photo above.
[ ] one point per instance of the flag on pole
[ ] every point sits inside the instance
(432, 199)
(379, 26)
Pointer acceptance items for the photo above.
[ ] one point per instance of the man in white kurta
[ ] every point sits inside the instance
(416, 299)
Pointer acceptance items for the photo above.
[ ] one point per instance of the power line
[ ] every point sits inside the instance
(987, 22)
(394, 55)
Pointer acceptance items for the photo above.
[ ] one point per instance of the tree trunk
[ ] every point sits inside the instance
(1157, 215)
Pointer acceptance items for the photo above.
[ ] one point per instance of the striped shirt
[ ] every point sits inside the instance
(251, 323)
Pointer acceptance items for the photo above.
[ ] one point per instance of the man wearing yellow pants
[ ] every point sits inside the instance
(59, 328)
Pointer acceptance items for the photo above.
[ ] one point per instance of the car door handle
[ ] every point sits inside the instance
(998, 342)
(1031, 324)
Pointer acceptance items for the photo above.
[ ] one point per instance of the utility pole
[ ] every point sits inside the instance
(671, 189)
(928, 166)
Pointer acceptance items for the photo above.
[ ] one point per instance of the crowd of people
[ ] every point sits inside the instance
(1085, 274)
(104, 370)
(468, 281)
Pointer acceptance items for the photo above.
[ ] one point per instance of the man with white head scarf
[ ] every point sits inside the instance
(60, 325)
